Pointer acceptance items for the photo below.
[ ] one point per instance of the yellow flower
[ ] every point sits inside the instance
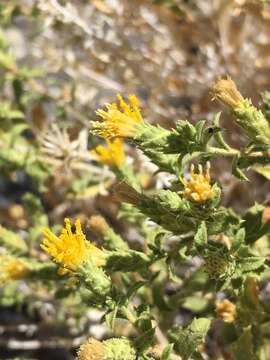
(12, 269)
(226, 311)
(112, 155)
(71, 250)
(198, 188)
(118, 121)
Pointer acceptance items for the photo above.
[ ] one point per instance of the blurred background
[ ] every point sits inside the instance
(59, 62)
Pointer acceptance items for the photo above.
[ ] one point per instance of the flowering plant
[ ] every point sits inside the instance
(189, 229)
(197, 271)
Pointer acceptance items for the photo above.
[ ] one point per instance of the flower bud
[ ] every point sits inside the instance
(251, 119)
(226, 91)
(198, 188)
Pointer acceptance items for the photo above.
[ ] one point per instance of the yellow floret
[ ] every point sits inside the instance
(198, 188)
(113, 155)
(71, 250)
(12, 268)
(118, 120)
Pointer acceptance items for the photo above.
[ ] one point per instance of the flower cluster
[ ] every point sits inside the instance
(12, 268)
(71, 250)
(167, 226)
(198, 187)
(119, 121)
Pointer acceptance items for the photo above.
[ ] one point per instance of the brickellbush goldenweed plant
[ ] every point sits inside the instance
(200, 272)
(221, 288)
(191, 211)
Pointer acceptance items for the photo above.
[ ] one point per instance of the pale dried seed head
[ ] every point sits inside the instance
(91, 350)
(98, 224)
(226, 91)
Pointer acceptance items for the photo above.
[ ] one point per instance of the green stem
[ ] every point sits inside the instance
(223, 152)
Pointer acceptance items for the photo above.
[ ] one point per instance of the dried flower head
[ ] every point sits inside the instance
(57, 148)
(118, 121)
(70, 250)
(226, 91)
(113, 155)
(91, 350)
(12, 268)
(111, 349)
(198, 188)
(226, 310)
(98, 224)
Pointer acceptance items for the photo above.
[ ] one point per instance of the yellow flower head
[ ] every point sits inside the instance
(226, 311)
(12, 268)
(69, 249)
(112, 155)
(198, 188)
(119, 121)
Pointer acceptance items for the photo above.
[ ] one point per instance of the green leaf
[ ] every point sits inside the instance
(238, 240)
(243, 348)
(251, 263)
(236, 171)
(166, 353)
(186, 340)
(12, 241)
(220, 220)
(134, 288)
(130, 260)
(7, 61)
(218, 135)
(110, 317)
(6, 112)
(145, 340)
(195, 304)
(200, 237)
(253, 223)
(266, 95)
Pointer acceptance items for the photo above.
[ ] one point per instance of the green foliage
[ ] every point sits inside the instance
(186, 340)
(119, 349)
(243, 348)
(12, 241)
